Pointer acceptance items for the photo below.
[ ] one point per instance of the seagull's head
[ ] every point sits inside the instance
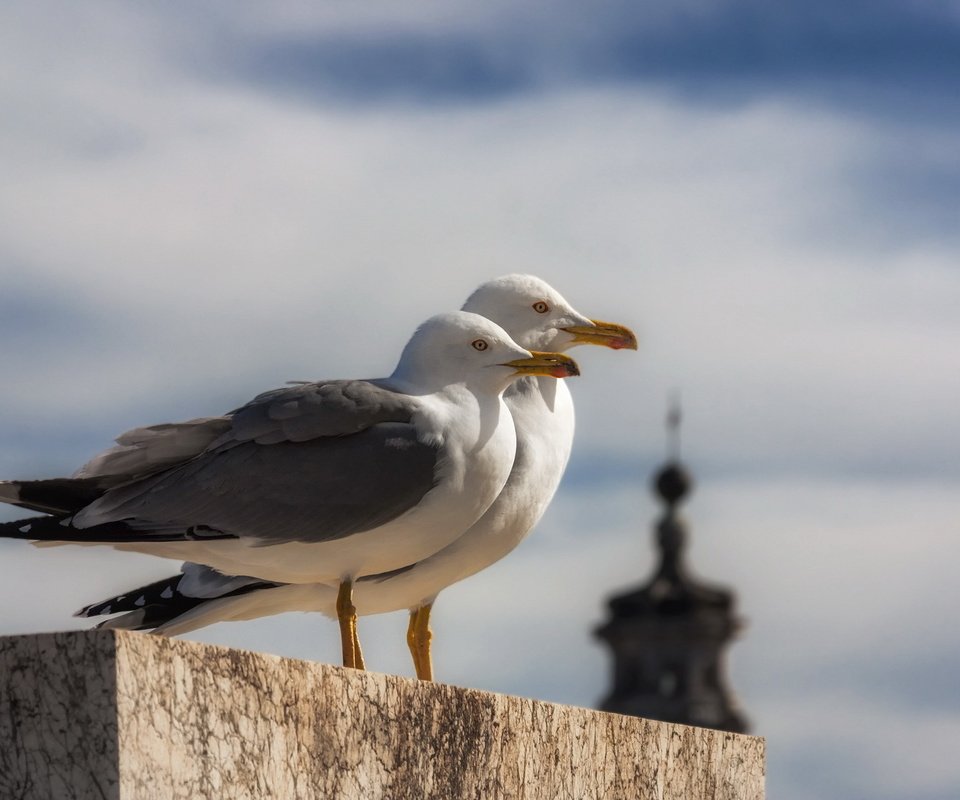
(461, 347)
(538, 317)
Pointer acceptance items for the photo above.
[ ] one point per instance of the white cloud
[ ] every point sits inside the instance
(857, 739)
(252, 237)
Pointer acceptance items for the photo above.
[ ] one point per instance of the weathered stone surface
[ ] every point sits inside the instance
(58, 720)
(117, 715)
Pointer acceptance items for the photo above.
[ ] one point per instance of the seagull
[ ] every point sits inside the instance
(536, 316)
(314, 483)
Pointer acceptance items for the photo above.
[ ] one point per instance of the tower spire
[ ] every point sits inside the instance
(674, 419)
(669, 635)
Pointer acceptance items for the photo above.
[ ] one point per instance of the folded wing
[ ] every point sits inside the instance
(307, 463)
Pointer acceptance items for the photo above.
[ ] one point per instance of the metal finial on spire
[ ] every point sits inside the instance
(674, 418)
(673, 483)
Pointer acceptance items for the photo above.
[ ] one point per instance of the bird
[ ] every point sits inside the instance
(536, 316)
(312, 483)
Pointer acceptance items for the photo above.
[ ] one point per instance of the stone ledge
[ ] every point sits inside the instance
(102, 714)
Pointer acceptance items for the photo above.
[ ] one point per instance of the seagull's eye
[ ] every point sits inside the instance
(540, 307)
(480, 344)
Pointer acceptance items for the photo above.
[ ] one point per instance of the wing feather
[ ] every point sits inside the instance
(307, 463)
(310, 491)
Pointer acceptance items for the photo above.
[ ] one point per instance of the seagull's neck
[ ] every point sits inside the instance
(536, 387)
(548, 390)
(412, 381)
(399, 383)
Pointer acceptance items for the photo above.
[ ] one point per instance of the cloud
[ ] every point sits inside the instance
(862, 55)
(846, 763)
(706, 50)
(210, 266)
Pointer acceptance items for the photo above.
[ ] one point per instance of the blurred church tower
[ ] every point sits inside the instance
(669, 635)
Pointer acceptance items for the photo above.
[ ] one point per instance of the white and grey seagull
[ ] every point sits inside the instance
(314, 483)
(537, 317)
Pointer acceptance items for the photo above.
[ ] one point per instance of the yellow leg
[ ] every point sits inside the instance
(357, 652)
(412, 639)
(347, 617)
(419, 637)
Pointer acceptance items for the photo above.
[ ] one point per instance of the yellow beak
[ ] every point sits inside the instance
(608, 334)
(550, 365)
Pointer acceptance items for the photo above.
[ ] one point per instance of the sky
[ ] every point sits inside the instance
(203, 201)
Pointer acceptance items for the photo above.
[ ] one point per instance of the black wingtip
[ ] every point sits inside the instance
(59, 528)
(34, 528)
(156, 604)
(162, 592)
(53, 496)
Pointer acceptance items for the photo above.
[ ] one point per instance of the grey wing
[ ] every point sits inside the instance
(306, 463)
(318, 490)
